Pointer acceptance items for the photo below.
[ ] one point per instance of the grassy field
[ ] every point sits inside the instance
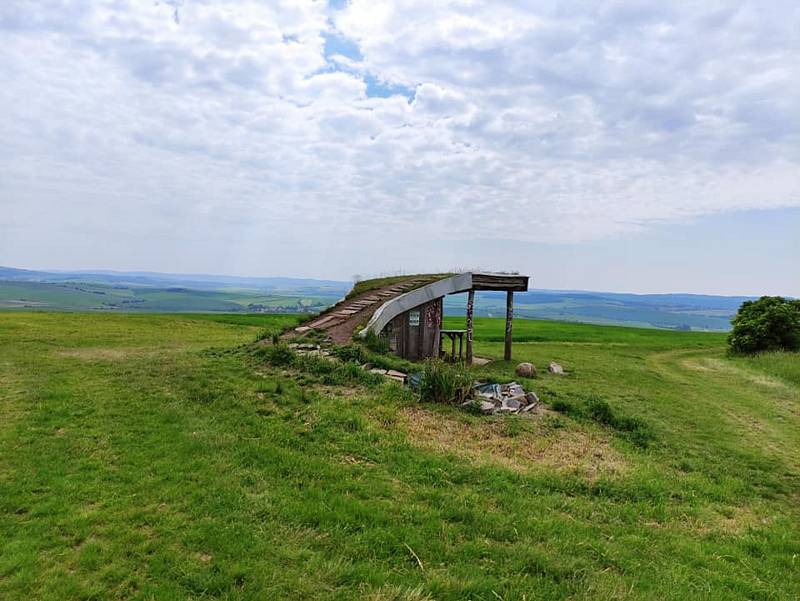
(154, 457)
(83, 296)
(683, 312)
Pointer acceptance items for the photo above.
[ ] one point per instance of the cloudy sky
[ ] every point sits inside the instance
(638, 146)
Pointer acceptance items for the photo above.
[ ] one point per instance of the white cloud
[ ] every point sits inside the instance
(557, 122)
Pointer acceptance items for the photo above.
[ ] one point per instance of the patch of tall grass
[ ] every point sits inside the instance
(598, 410)
(320, 369)
(445, 382)
(780, 364)
(280, 354)
(376, 343)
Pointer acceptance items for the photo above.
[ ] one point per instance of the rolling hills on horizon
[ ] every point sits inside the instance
(102, 290)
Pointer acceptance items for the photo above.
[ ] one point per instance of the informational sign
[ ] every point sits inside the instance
(413, 318)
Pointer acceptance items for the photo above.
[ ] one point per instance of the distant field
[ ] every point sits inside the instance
(151, 456)
(676, 311)
(527, 330)
(176, 293)
(78, 296)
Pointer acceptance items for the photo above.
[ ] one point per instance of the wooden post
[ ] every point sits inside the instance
(470, 311)
(509, 321)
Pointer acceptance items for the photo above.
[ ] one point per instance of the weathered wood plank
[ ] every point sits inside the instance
(470, 314)
(509, 323)
(491, 281)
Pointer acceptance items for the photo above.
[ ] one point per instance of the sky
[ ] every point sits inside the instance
(621, 146)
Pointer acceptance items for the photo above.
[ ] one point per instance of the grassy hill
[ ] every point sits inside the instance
(155, 457)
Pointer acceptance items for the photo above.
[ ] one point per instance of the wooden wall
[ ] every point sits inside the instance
(415, 334)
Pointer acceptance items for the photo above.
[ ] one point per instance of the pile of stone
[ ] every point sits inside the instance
(324, 351)
(310, 349)
(503, 398)
(392, 374)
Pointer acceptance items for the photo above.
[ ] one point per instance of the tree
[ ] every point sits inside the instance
(771, 323)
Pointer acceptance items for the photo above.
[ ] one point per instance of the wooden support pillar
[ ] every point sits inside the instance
(509, 322)
(470, 311)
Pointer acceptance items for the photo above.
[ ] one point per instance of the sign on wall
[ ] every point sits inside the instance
(413, 318)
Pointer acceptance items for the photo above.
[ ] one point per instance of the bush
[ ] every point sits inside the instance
(445, 383)
(771, 323)
(279, 354)
(562, 407)
(350, 353)
(376, 343)
(600, 411)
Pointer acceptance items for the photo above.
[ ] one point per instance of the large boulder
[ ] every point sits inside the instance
(526, 370)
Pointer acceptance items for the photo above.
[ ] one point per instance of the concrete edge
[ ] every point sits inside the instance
(395, 306)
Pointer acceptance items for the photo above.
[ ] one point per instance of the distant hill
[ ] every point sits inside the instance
(671, 311)
(166, 280)
(163, 292)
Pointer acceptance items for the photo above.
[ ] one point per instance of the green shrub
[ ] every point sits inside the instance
(263, 335)
(563, 407)
(600, 411)
(376, 343)
(445, 383)
(635, 430)
(315, 365)
(351, 353)
(771, 323)
(279, 354)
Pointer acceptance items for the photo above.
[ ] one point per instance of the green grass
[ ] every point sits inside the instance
(527, 330)
(156, 457)
(779, 365)
(375, 283)
(19, 295)
(274, 323)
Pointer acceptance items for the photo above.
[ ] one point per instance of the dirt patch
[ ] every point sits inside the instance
(731, 521)
(492, 440)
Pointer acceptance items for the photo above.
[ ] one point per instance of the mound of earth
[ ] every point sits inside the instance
(341, 320)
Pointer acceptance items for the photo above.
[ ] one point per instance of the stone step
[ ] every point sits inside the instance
(326, 321)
